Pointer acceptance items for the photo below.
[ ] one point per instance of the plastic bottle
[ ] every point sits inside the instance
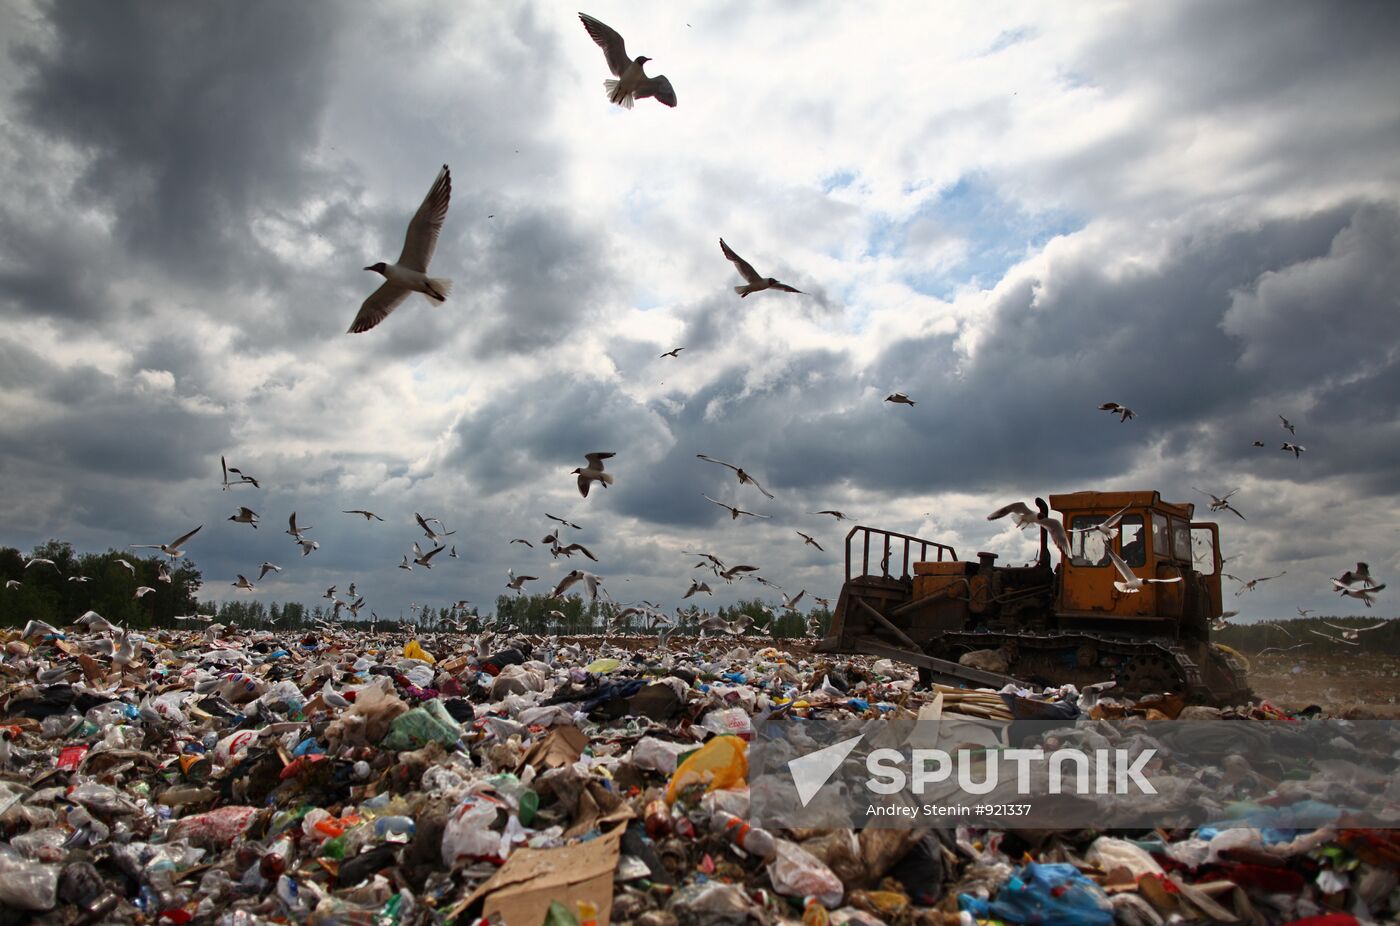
(815, 914)
(751, 839)
(658, 819)
(397, 825)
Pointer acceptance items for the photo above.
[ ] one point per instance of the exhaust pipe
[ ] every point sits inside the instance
(1044, 511)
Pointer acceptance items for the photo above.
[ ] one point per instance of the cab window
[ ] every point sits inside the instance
(1088, 547)
(1181, 540)
(1161, 537)
(1203, 552)
(1130, 540)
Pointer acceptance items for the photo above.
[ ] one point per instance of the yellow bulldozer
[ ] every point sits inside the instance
(914, 600)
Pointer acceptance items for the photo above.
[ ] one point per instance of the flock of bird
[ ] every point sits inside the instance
(409, 274)
(1356, 584)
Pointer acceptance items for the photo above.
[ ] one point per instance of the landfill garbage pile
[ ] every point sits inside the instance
(450, 779)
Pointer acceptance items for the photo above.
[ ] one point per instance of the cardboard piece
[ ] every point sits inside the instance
(562, 746)
(519, 893)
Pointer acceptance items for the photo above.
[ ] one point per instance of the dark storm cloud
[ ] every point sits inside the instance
(1203, 56)
(509, 443)
(543, 274)
(194, 117)
(87, 421)
(1022, 411)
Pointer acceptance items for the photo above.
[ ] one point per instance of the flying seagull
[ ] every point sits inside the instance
(1328, 636)
(744, 478)
(1131, 583)
(735, 512)
(835, 514)
(1024, 518)
(577, 527)
(266, 568)
(1365, 595)
(1221, 502)
(242, 583)
(808, 539)
(243, 478)
(524, 541)
(1251, 584)
(674, 352)
(593, 473)
(590, 581)
(1296, 449)
(632, 83)
(245, 516)
(171, 549)
(292, 528)
(753, 282)
(426, 559)
(410, 273)
(1122, 411)
(368, 515)
(1288, 425)
(1104, 527)
(1353, 633)
(899, 398)
(1361, 574)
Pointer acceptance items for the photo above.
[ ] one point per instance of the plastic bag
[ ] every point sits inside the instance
(721, 763)
(216, 828)
(468, 832)
(1052, 895)
(414, 650)
(1108, 853)
(657, 755)
(27, 885)
(714, 902)
(798, 873)
(733, 720)
(423, 725)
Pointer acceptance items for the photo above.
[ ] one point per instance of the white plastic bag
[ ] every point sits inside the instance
(795, 872)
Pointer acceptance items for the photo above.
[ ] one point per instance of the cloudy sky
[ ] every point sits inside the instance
(1011, 212)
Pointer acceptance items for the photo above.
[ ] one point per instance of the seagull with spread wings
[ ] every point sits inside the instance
(753, 283)
(1023, 517)
(1249, 585)
(735, 512)
(1106, 526)
(593, 472)
(1122, 411)
(171, 549)
(1221, 502)
(368, 515)
(1366, 594)
(409, 274)
(1354, 633)
(744, 478)
(631, 82)
(1132, 584)
(809, 540)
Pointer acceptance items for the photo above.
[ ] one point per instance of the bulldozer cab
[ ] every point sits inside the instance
(1156, 539)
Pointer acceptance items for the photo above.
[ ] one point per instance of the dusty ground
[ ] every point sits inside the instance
(1360, 685)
